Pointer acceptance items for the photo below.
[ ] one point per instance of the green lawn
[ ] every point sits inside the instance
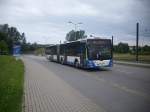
(129, 57)
(11, 84)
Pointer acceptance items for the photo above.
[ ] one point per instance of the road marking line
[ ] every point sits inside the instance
(124, 88)
(118, 70)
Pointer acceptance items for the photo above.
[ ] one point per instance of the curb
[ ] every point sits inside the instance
(133, 64)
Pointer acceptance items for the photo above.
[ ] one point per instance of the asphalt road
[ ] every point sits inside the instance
(119, 89)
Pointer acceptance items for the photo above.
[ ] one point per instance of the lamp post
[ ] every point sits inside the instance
(112, 44)
(75, 24)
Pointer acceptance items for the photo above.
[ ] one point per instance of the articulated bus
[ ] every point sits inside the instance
(86, 53)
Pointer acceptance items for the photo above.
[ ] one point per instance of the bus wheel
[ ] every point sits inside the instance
(76, 64)
(62, 62)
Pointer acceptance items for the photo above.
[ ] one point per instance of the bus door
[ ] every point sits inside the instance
(82, 54)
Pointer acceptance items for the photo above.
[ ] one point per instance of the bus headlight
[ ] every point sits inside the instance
(89, 63)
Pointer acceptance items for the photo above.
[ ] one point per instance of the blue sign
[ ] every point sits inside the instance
(16, 50)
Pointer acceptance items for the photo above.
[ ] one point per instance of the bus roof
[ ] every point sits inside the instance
(86, 39)
(80, 40)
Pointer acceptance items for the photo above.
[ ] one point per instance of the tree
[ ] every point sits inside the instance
(70, 36)
(12, 36)
(121, 48)
(8, 41)
(146, 50)
(23, 38)
(3, 47)
(3, 36)
(39, 51)
(75, 35)
(80, 34)
(5, 28)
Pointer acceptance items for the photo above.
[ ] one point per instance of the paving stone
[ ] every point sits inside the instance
(46, 92)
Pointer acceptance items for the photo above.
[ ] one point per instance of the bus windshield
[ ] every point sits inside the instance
(99, 52)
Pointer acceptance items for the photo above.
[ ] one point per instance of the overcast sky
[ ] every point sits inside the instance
(46, 21)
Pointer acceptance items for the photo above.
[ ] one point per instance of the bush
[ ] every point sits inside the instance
(3, 47)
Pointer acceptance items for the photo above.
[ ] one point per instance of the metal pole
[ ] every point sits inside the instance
(112, 44)
(137, 40)
(75, 31)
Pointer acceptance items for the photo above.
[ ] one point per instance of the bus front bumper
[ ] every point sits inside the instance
(99, 63)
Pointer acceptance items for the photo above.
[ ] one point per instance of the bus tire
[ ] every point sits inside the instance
(61, 61)
(76, 64)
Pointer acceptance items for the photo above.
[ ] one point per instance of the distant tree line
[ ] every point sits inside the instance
(34, 48)
(125, 48)
(121, 48)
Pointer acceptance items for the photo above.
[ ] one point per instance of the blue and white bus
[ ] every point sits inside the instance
(86, 53)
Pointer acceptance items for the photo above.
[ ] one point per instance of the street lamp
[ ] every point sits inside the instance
(75, 24)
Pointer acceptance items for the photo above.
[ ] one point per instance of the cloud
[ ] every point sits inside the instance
(48, 18)
(51, 8)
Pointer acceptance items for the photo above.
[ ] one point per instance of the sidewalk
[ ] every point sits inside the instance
(46, 92)
(133, 64)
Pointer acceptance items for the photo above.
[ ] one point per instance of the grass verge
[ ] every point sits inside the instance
(11, 84)
(131, 58)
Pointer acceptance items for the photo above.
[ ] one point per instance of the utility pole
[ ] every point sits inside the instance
(137, 40)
